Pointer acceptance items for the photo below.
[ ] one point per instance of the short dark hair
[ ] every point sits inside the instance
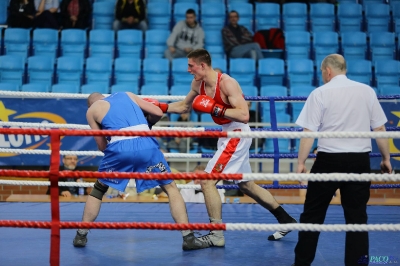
(200, 56)
(234, 11)
(191, 11)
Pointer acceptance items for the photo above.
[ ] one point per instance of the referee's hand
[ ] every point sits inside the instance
(386, 167)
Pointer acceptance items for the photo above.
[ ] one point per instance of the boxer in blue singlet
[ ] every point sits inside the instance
(126, 111)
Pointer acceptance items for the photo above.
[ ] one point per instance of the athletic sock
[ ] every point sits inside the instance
(216, 221)
(281, 215)
(185, 232)
(83, 232)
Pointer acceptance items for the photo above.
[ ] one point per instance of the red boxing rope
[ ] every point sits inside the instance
(146, 176)
(108, 225)
(75, 132)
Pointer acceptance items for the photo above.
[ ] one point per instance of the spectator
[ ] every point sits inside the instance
(186, 36)
(196, 195)
(69, 164)
(238, 41)
(130, 14)
(46, 15)
(75, 14)
(22, 14)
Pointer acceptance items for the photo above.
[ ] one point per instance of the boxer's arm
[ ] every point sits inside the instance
(153, 113)
(185, 106)
(240, 110)
(90, 117)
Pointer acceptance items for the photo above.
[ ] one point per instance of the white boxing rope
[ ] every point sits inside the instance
(94, 153)
(312, 227)
(80, 126)
(48, 95)
(76, 184)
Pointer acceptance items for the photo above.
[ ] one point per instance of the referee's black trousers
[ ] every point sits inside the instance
(354, 198)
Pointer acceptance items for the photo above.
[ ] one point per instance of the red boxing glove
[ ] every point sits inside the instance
(163, 106)
(206, 104)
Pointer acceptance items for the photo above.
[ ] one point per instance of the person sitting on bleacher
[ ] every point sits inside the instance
(46, 14)
(238, 41)
(75, 14)
(22, 13)
(130, 14)
(186, 36)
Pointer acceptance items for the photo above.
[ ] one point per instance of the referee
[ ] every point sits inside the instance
(339, 105)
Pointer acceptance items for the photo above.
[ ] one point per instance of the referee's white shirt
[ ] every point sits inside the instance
(342, 105)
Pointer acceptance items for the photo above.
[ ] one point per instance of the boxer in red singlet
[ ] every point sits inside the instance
(221, 96)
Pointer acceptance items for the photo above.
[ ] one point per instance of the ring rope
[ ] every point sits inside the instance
(158, 97)
(206, 176)
(167, 155)
(208, 134)
(81, 126)
(180, 186)
(208, 226)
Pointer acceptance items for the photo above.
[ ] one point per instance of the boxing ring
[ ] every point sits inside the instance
(248, 245)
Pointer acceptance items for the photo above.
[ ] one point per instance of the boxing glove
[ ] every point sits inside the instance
(163, 106)
(206, 104)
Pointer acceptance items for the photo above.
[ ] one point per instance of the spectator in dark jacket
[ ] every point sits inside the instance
(22, 13)
(47, 14)
(69, 164)
(130, 14)
(238, 41)
(75, 14)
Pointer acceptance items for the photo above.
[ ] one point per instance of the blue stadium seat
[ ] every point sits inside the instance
(180, 75)
(213, 16)
(354, 45)
(382, 46)
(220, 63)
(322, 17)
(268, 15)
(156, 43)
(16, 42)
(294, 17)
(213, 43)
(301, 90)
(103, 15)
(65, 88)
(127, 71)
(101, 43)
(45, 42)
(154, 89)
(360, 70)
(243, 70)
(325, 43)
(272, 91)
(35, 87)
(41, 70)
(387, 73)
(245, 11)
(9, 87)
(297, 44)
(377, 17)
(390, 90)
(73, 43)
(69, 70)
(300, 72)
(180, 11)
(12, 69)
(129, 43)
(350, 17)
(249, 90)
(159, 15)
(90, 88)
(396, 16)
(180, 90)
(283, 144)
(3, 12)
(98, 70)
(271, 71)
(155, 71)
(124, 88)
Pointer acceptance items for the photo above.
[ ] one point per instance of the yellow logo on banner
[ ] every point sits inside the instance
(28, 142)
(392, 145)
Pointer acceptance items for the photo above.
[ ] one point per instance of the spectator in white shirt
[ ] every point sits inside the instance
(339, 105)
